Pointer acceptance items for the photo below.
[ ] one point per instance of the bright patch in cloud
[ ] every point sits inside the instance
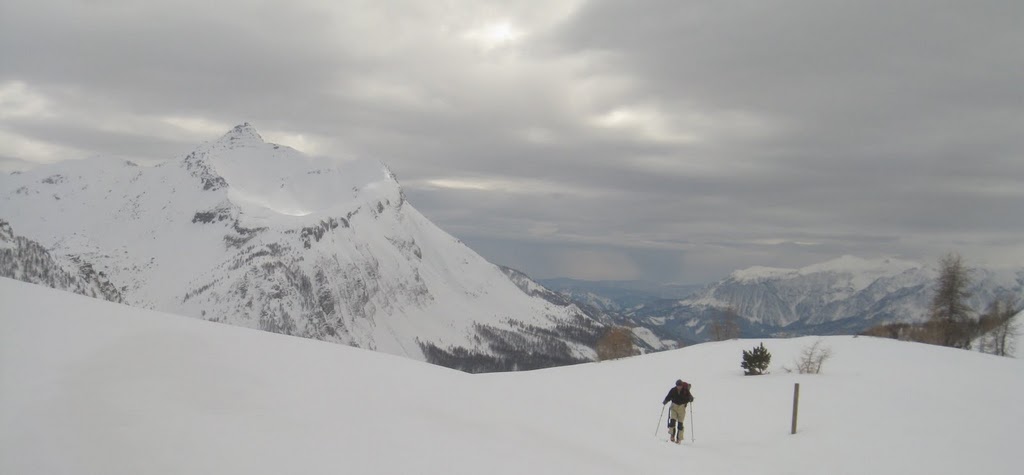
(507, 185)
(198, 125)
(463, 184)
(645, 121)
(32, 150)
(18, 100)
(494, 35)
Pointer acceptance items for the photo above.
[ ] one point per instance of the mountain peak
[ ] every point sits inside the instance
(243, 132)
(844, 264)
(756, 273)
(849, 263)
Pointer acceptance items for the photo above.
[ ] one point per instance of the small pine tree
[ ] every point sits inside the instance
(755, 362)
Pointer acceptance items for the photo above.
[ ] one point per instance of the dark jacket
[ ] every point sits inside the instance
(679, 398)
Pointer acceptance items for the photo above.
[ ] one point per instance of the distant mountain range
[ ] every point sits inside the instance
(846, 295)
(843, 296)
(259, 235)
(617, 295)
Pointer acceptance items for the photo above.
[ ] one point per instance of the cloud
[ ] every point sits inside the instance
(494, 35)
(599, 265)
(17, 100)
(687, 137)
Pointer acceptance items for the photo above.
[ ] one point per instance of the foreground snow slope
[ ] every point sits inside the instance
(91, 387)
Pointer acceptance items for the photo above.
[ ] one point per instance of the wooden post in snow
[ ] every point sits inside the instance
(796, 405)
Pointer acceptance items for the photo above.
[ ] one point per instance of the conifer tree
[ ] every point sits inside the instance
(756, 361)
(949, 311)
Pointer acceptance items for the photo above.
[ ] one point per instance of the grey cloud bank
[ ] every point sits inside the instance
(657, 140)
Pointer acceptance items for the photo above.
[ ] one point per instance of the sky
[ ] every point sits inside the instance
(670, 141)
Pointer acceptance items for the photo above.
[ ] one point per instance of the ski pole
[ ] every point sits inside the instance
(659, 420)
(693, 431)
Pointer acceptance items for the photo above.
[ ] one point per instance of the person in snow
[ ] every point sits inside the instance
(680, 396)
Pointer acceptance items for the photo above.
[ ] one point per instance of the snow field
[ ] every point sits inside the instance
(91, 387)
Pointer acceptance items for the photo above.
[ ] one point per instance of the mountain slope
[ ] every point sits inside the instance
(28, 261)
(617, 296)
(643, 339)
(92, 387)
(260, 235)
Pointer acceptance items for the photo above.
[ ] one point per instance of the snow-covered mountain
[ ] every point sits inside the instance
(26, 260)
(844, 295)
(260, 235)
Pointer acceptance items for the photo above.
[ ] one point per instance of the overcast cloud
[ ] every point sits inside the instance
(668, 140)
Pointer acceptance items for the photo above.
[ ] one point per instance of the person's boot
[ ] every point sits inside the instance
(679, 439)
(672, 434)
